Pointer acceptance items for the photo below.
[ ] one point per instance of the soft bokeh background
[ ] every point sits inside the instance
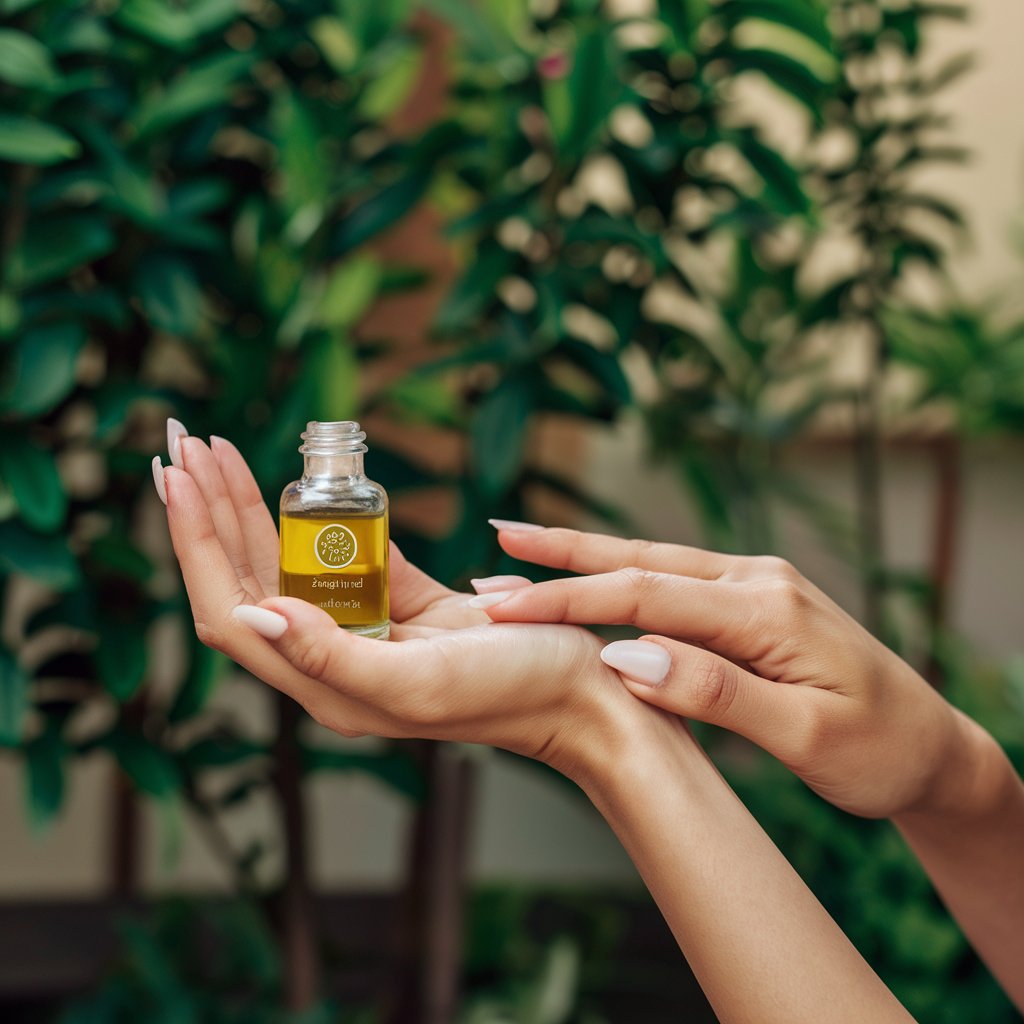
(744, 274)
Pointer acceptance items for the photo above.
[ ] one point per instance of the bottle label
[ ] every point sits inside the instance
(335, 546)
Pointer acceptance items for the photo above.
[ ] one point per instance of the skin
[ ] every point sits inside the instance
(756, 648)
(762, 947)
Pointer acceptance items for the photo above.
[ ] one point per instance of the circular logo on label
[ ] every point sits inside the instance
(335, 546)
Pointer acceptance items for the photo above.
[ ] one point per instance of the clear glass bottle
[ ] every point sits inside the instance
(334, 531)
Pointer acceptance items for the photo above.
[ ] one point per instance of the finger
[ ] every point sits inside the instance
(411, 590)
(200, 464)
(594, 552)
(699, 684)
(361, 668)
(214, 591)
(490, 584)
(711, 612)
(259, 530)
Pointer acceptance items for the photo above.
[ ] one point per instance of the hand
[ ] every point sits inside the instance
(539, 690)
(763, 652)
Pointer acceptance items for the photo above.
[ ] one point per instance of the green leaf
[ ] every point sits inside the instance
(394, 768)
(372, 24)
(44, 765)
(170, 294)
(115, 553)
(14, 688)
(604, 367)
(56, 246)
(350, 290)
(40, 369)
(47, 560)
(379, 212)
(488, 44)
(15, 6)
(594, 90)
(222, 749)
(150, 767)
(389, 90)
(787, 74)
(334, 374)
(336, 43)
(474, 291)
(807, 19)
(31, 474)
(205, 670)
(25, 140)
(498, 434)
(121, 657)
(303, 162)
(206, 85)
(783, 192)
(25, 62)
(174, 26)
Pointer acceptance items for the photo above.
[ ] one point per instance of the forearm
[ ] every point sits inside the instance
(762, 947)
(974, 855)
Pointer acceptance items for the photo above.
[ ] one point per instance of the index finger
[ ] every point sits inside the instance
(214, 590)
(717, 614)
(589, 553)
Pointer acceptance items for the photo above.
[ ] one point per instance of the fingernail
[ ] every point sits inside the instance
(512, 524)
(261, 620)
(158, 479)
(175, 432)
(489, 584)
(639, 659)
(486, 600)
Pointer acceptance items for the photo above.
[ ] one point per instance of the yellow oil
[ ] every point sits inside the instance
(339, 563)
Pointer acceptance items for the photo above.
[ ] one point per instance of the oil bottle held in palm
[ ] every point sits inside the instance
(334, 531)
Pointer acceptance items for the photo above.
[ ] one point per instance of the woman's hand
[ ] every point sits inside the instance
(539, 690)
(763, 652)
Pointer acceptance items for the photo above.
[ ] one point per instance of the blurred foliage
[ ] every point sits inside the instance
(191, 192)
(188, 191)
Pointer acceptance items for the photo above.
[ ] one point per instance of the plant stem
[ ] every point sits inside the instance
(301, 958)
(869, 491)
(431, 922)
(947, 514)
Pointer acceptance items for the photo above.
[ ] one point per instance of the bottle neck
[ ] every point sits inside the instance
(332, 467)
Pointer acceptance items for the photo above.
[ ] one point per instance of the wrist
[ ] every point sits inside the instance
(627, 745)
(974, 783)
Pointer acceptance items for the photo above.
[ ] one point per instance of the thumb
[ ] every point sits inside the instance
(308, 638)
(698, 684)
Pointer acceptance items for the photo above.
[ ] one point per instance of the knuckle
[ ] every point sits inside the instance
(209, 635)
(785, 597)
(312, 658)
(774, 567)
(811, 739)
(639, 583)
(641, 549)
(714, 685)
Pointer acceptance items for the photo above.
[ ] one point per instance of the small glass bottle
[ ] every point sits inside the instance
(334, 531)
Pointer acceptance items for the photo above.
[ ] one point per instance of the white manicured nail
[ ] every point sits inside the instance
(175, 432)
(489, 584)
(513, 525)
(158, 479)
(639, 659)
(261, 620)
(486, 600)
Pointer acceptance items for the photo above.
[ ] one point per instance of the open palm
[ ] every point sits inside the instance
(453, 675)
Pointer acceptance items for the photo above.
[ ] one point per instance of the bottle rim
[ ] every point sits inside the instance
(332, 437)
